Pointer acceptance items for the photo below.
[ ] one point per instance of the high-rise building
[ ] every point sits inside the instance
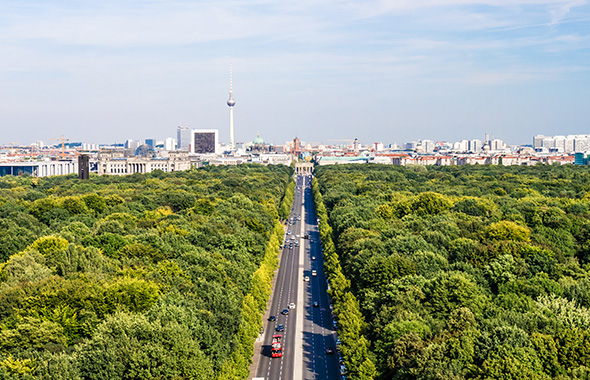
(497, 144)
(559, 143)
(204, 141)
(581, 143)
(150, 142)
(475, 145)
(428, 146)
(132, 144)
(231, 103)
(183, 137)
(169, 144)
(569, 144)
(538, 141)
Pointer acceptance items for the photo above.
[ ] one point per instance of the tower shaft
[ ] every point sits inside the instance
(231, 128)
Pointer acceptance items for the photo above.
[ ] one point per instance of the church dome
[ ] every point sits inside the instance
(258, 140)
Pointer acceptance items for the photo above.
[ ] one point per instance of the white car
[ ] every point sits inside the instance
(314, 272)
(313, 257)
(291, 305)
(306, 278)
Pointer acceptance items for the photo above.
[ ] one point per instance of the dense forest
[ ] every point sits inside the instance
(153, 276)
(471, 272)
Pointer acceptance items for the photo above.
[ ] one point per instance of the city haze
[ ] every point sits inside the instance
(377, 70)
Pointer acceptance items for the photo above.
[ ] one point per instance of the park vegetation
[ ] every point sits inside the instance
(471, 272)
(147, 276)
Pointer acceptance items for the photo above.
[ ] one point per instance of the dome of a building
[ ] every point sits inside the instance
(258, 140)
(144, 151)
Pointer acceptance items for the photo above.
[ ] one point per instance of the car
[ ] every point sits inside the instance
(289, 232)
(272, 318)
(290, 246)
(280, 328)
(285, 246)
(311, 241)
(296, 244)
(329, 351)
(285, 311)
(314, 272)
(313, 257)
(291, 305)
(316, 304)
(306, 278)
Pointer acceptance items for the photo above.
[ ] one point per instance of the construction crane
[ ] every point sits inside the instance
(12, 147)
(63, 145)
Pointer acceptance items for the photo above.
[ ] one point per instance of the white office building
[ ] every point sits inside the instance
(170, 144)
(183, 137)
(475, 145)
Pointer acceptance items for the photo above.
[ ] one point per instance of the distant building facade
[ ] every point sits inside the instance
(116, 164)
(183, 137)
(561, 144)
(204, 141)
(39, 168)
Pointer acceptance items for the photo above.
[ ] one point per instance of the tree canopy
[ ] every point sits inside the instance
(147, 276)
(471, 272)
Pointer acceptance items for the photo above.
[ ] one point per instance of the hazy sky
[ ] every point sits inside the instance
(389, 70)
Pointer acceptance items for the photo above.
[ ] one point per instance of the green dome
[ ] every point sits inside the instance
(258, 140)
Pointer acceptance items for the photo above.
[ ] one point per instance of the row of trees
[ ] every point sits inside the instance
(161, 275)
(466, 272)
(354, 346)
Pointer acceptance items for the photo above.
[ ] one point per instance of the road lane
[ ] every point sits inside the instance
(308, 330)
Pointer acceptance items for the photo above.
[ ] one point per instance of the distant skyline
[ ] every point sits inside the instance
(385, 71)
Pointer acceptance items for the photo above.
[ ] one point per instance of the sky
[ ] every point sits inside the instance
(388, 71)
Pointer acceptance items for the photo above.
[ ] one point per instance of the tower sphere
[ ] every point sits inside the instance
(231, 102)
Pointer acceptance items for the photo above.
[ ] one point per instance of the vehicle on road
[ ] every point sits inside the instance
(314, 272)
(291, 305)
(272, 318)
(313, 257)
(285, 311)
(280, 328)
(277, 346)
(316, 304)
(289, 232)
(329, 351)
(306, 278)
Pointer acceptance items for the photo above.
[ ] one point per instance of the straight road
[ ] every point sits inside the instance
(309, 330)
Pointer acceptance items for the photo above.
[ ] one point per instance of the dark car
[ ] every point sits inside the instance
(285, 311)
(272, 318)
(280, 328)
(329, 351)
(316, 304)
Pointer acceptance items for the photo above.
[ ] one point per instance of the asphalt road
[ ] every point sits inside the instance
(309, 330)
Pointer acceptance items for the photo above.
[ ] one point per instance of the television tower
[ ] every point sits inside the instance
(231, 102)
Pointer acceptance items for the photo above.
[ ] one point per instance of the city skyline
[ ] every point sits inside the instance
(377, 70)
